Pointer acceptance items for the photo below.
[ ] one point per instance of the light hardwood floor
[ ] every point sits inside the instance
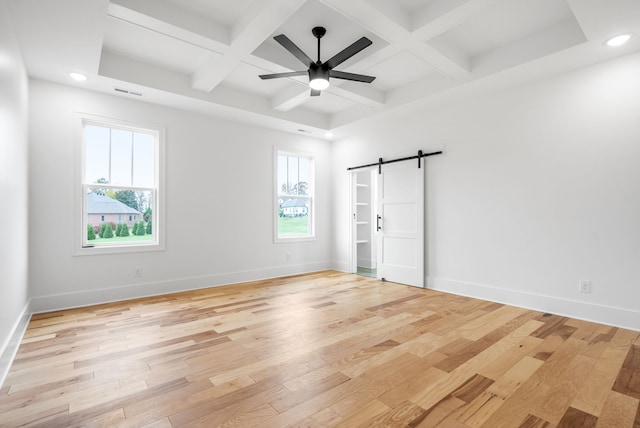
(317, 350)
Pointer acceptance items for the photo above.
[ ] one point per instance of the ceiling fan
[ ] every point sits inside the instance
(319, 72)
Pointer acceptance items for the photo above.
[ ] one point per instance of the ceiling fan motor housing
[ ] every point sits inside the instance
(318, 71)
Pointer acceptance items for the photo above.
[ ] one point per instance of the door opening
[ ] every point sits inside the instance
(395, 209)
(364, 245)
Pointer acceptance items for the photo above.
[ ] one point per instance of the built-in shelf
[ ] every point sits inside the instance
(363, 205)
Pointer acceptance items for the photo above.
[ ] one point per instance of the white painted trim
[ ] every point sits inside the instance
(618, 317)
(133, 291)
(12, 343)
(311, 197)
(159, 215)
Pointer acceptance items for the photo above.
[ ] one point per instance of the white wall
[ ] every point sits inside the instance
(219, 198)
(538, 189)
(13, 192)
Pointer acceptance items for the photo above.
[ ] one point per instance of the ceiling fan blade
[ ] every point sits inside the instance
(348, 52)
(295, 50)
(351, 76)
(287, 74)
(315, 92)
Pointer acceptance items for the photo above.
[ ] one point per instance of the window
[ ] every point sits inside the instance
(119, 179)
(293, 196)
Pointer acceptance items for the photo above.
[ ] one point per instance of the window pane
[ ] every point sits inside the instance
(303, 178)
(123, 217)
(292, 179)
(121, 157)
(282, 174)
(293, 217)
(143, 160)
(96, 154)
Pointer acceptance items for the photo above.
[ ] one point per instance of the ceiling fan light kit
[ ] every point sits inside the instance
(319, 72)
(318, 78)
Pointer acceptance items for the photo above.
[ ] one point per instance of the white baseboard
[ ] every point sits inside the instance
(132, 291)
(340, 266)
(11, 345)
(618, 317)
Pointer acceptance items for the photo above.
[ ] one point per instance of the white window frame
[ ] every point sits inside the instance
(81, 245)
(311, 236)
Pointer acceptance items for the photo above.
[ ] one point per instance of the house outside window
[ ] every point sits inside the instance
(119, 178)
(294, 201)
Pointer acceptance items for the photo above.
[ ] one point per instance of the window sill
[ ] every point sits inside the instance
(295, 239)
(115, 249)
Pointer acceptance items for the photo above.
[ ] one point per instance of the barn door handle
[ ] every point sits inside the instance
(378, 227)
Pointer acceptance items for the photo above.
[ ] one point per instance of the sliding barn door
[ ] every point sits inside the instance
(400, 223)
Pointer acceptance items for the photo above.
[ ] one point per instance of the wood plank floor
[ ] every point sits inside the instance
(318, 350)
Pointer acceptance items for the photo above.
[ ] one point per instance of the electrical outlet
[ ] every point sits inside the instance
(138, 272)
(584, 286)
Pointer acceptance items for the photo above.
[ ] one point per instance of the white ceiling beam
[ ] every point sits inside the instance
(444, 57)
(362, 94)
(246, 35)
(149, 79)
(257, 24)
(299, 94)
(290, 98)
(440, 16)
(212, 71)
(456, 67)
(174, 22)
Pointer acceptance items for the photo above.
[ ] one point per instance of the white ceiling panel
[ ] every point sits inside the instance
(506, 22)
(327, 103)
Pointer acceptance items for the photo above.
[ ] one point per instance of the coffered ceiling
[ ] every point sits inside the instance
(206, 55)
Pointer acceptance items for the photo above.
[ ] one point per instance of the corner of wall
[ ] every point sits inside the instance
(11, 345)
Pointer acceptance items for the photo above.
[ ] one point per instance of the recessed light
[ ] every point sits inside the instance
(618, 40)
(328, 134)
(77, 76)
